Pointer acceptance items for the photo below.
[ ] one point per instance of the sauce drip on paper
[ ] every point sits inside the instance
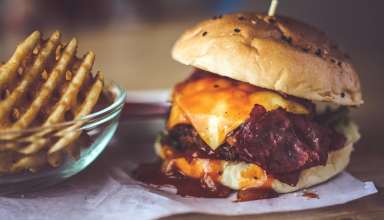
(151, 173)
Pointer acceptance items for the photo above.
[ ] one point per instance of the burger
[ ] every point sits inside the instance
(264, 112)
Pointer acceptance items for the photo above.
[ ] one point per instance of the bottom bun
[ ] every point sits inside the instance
(242, 175)
(336, 163)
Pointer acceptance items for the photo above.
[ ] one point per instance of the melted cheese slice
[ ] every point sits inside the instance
(235, 175)
(216, 105)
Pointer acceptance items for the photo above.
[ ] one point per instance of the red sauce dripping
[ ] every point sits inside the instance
(263, 192)
(255, 194)
(310, 195)
(150, 173)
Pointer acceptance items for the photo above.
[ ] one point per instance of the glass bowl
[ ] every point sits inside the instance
(23, 171)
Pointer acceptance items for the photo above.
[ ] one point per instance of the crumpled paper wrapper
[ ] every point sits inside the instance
(112, 199)
(106, 191)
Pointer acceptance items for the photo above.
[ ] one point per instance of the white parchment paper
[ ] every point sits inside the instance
(119, 197)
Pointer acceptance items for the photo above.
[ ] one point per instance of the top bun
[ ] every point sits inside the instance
(276, 53)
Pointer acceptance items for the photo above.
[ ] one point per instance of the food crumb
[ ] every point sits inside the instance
(310, 195)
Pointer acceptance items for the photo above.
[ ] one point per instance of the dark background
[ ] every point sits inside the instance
(132, 39)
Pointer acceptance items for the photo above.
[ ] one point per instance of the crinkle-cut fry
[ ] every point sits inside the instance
(9, 70)
(65, 102)
(31, 73)
(30, 162)
(48, 87)
(71, 134)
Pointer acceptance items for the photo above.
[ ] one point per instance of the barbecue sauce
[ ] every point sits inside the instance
(263, 192)
(310, 195)
(151, 173)
(255, 194)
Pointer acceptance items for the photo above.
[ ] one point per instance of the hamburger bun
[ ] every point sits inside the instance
(276, 53)
(242, 175)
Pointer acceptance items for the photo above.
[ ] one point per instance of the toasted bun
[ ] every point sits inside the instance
(240, 175)
(236, 175)
(337, 162)
(277, 53)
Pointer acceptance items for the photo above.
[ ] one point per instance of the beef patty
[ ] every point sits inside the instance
(280, 142)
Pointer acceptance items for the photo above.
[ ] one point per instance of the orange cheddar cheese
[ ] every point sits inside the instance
(215, 106)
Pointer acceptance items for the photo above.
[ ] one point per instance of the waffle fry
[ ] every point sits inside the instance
(65, 103)
(30, 75)
(9, 70)
(45, 85)
(31, 163)
(85, 109)
(46, 91)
